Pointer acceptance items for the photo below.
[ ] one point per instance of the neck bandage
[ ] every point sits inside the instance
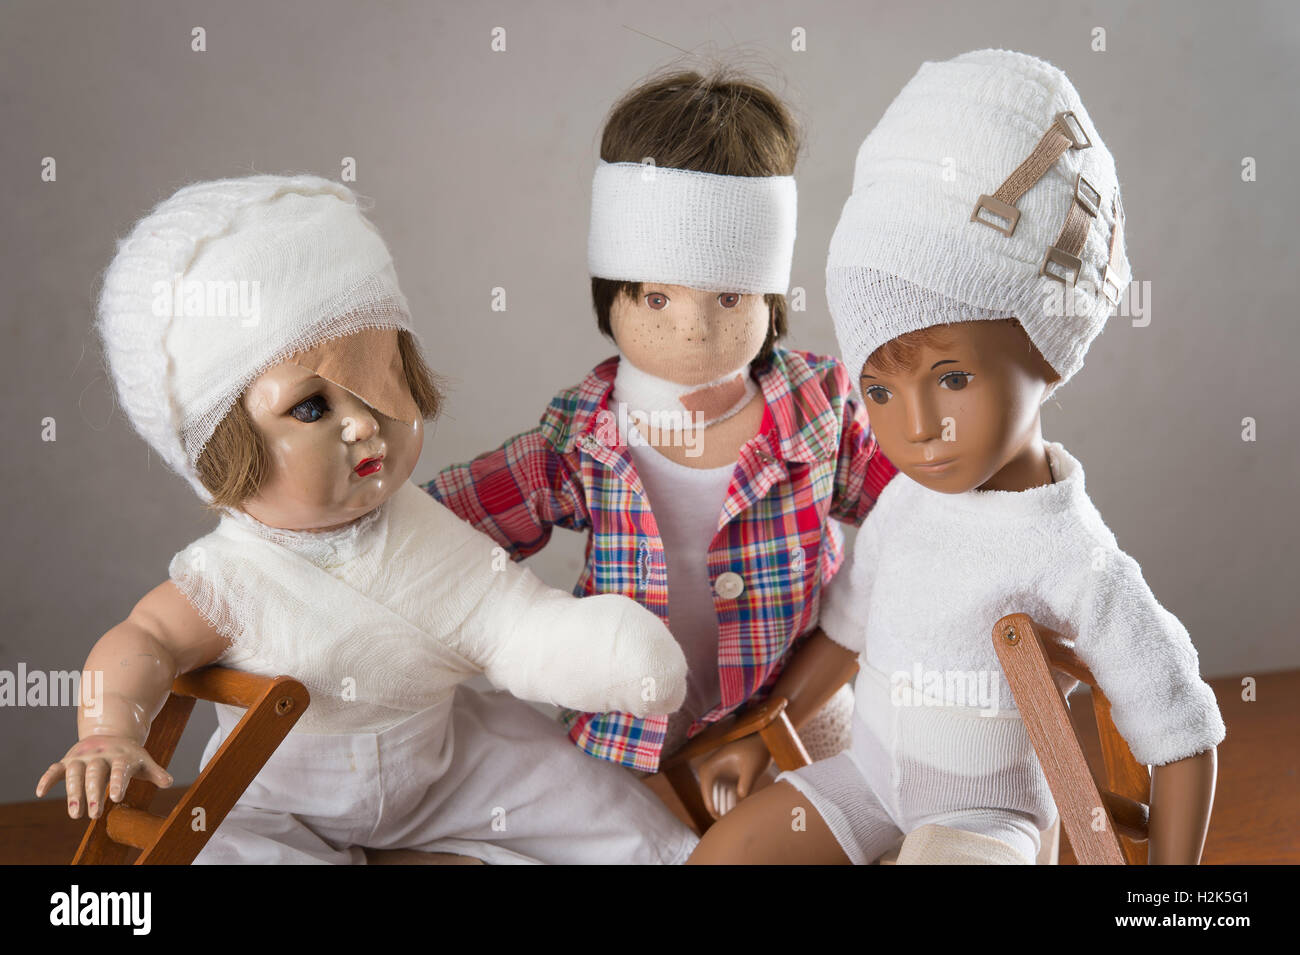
(667, 406)
(681, 227)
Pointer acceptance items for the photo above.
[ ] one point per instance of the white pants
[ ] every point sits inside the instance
(910, 766)
(502, 783)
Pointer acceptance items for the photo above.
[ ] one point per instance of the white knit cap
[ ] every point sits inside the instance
(906, 255)
(182, 343)
(683, 227)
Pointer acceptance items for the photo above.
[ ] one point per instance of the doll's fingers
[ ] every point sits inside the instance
(75, 783)
(118, 778)
(726, 799)
(96, 770)
(150, 770)
(49, 778)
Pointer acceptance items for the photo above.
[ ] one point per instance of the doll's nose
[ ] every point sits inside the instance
(921, 420)
(359, 426)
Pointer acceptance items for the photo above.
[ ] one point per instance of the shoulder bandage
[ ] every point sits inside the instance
(681, 227)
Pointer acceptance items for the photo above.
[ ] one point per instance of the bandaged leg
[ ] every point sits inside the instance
(942, 845)
(829, 731)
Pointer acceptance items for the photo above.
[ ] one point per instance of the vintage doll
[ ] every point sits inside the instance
(956, 328)
(704, 462)
(300, 418)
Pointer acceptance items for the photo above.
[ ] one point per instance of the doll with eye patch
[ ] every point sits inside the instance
(300, 421)
(958, 332)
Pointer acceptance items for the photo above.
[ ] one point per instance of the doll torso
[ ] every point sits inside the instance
(932, 573)
(369, 618)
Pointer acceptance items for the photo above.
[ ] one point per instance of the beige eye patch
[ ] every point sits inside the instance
(367, 363)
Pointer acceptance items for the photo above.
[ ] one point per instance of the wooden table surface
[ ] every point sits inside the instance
(1256, 807)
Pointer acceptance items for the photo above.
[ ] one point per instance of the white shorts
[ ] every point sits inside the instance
(503, 784)
(909, 766)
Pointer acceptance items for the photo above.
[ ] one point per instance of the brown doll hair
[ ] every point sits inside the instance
(234, 462)
(900, 354)
(723, 123)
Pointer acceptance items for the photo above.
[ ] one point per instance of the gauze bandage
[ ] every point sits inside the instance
(701, 230)
(675, 407)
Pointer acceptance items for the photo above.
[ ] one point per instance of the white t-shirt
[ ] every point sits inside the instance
(687, 502)
(931, 573)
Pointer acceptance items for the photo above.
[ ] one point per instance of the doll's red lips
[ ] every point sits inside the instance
(369, 466)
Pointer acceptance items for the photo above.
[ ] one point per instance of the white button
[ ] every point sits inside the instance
(729, 586)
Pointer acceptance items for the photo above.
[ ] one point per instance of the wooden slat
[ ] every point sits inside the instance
(223, 685)
(1127, 776)
(784, 744)
(1047, 721)
(239, 759)
(133, 827)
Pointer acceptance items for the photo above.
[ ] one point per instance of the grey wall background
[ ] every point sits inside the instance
(479, 164)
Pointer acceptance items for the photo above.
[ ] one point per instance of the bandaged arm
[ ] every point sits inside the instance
(604, 653)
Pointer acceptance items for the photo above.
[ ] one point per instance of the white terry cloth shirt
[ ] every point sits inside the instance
(384, 617)
(932, 572)
(687, 502)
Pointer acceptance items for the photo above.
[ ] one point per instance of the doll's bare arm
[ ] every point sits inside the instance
(131, 669)
(1182, 795)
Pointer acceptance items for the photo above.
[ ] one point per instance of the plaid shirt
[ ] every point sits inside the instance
(813, 458)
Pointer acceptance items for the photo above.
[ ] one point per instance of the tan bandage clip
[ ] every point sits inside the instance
(1066, 132)
(1112, 285)
(1064, 252)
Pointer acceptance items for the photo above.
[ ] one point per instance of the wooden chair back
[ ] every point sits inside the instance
(1107, 826)
(273, 705)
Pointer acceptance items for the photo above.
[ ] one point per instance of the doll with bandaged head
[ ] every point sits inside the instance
(962, 302)
(261, 345)
(708, 464)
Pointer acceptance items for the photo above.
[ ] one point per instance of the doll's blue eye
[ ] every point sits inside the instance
(955, 380)
(311, 409)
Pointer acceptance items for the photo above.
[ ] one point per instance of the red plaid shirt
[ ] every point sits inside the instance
(813, 458)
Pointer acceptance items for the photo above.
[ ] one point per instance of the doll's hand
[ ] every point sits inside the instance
(93, 758)
(728, 775)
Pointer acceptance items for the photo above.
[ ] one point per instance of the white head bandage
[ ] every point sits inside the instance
(925, 238)
(681, 227)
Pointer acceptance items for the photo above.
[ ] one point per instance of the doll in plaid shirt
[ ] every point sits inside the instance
(705, 461)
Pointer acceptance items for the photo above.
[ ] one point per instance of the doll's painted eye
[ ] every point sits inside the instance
(955, 380)
(311, 409)
(657, 300)
(877, 393)
(729, 299)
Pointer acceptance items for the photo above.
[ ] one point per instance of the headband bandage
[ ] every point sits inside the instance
(701, 230)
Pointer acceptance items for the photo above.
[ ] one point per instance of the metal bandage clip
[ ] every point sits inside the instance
(1066, 132)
